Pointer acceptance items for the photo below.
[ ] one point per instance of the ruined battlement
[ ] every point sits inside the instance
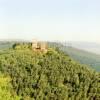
(39, 46)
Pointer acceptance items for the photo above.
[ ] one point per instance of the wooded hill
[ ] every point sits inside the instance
(81, 56)
(48, 76)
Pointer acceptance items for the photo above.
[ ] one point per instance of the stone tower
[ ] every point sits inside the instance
(34, 44)
(39, 46)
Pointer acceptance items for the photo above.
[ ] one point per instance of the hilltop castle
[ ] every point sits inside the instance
(39, 46)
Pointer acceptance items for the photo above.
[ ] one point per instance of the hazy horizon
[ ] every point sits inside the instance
(62, 20)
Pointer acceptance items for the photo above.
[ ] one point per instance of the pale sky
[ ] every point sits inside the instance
(64, 20)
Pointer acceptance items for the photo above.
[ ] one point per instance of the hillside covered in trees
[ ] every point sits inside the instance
(81, 56)
(47, 76)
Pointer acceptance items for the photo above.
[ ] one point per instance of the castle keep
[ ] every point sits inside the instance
(39, 46)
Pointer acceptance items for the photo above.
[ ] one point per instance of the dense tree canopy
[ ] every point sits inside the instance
(6, 92)
(49, 76)
(84, 57)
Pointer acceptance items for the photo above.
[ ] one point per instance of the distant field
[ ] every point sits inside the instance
(5, 45)
(81, 56)
(84, 57)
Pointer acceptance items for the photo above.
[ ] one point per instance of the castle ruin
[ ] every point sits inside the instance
(39, 46)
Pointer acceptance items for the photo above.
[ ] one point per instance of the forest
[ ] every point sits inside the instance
(29, 75)
(81, 56)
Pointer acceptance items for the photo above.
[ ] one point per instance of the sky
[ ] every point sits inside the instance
(63, 20)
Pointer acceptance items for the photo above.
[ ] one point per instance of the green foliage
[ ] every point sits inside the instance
(5, 89)
(49, 76)
(21, 46)
(81, 56)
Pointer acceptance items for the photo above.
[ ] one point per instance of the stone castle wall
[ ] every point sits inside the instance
(39, 46)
